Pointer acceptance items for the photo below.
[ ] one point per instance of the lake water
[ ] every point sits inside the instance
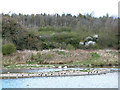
(109, 80)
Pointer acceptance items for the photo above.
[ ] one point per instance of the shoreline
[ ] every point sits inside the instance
(55, 73)
(32, 66)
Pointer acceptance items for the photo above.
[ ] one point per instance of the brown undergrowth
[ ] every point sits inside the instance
(57, 56)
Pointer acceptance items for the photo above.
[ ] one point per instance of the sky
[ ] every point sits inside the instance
(74, 7)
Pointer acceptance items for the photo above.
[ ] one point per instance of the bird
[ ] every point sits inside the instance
(65, 67)
(59, 66)
(8, 72)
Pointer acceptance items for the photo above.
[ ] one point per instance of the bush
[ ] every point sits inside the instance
(8, 49)
(70, 47)
(12, 30)
(67, 38)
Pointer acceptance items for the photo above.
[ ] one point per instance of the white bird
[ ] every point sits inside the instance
(65, 67)
(90, 42)
(81, 43)
(59, 66)
(95, 36)
(8, 72)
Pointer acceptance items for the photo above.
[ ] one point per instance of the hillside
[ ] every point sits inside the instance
(81, 40)
(38, 32)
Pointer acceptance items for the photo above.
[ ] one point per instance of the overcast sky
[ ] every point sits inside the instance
(74, 7)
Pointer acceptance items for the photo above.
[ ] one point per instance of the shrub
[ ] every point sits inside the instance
(70, 47)
(8, 49)
(12, 30)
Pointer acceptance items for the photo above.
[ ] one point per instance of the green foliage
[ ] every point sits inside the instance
(48, 28)
(11, 30)
(60, 52)
(8, 49)
(84, 70)
(42, 23)
(70, 47)
(45, 45)
(56, 29)
(108, 39)
(95, 55)
(64, 29)
(48, 32)
(67, 38)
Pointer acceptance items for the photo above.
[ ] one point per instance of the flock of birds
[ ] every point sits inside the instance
(65, 67)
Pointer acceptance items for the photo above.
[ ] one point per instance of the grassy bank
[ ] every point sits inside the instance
(57, 57)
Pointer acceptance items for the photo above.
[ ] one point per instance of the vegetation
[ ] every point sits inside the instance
(95, 55)
(70, 47)
(73, 58)
(42, 31)
(8, 49)
(60, 52)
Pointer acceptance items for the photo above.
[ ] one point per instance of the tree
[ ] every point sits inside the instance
(42, 23)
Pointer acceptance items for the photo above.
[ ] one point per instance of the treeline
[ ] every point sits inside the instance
(80, 21)
(42, 31)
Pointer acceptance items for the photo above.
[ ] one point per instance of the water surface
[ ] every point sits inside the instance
(109, 80)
